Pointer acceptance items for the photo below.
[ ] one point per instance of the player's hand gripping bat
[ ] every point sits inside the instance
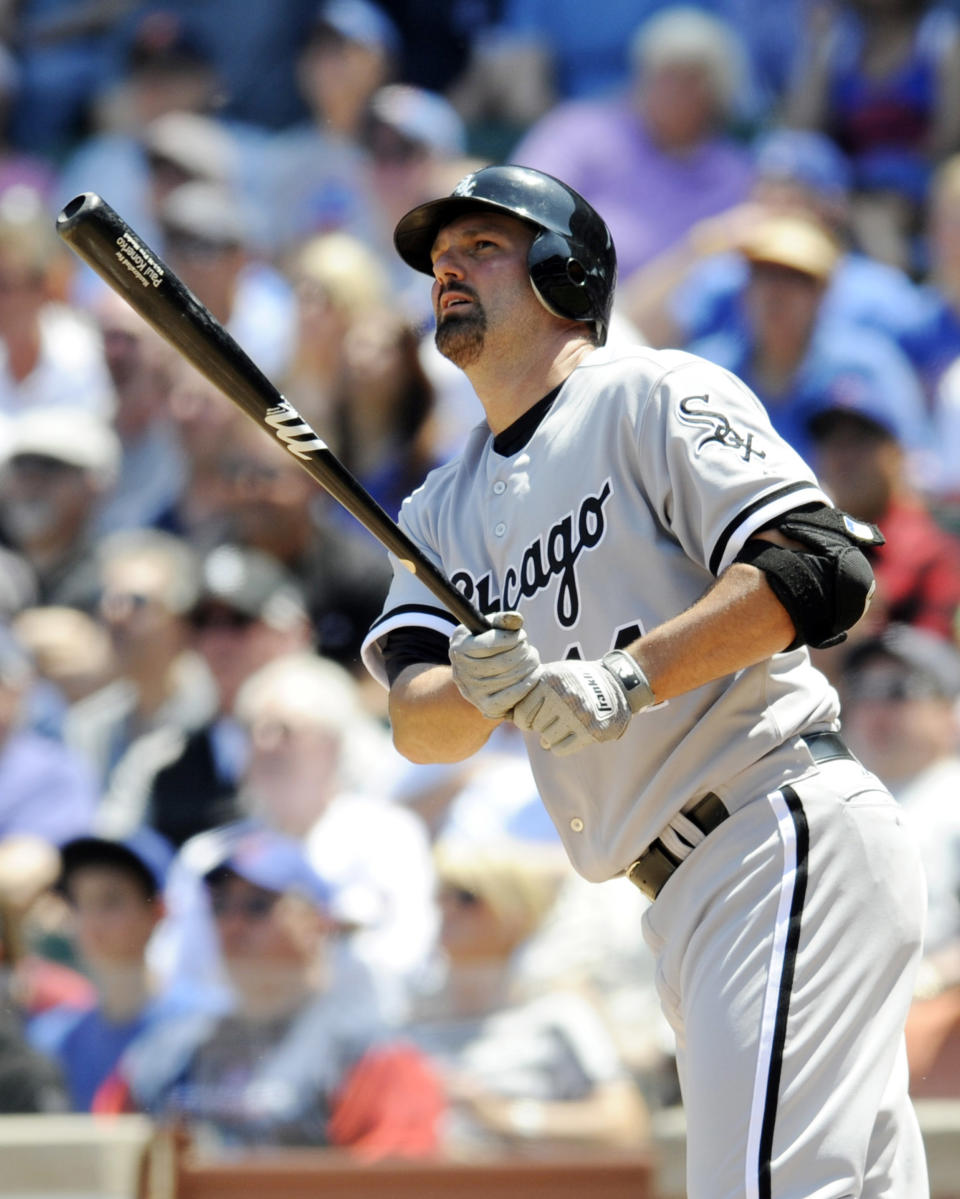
(104, 240)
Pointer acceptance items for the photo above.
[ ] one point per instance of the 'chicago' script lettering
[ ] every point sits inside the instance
(553, 555)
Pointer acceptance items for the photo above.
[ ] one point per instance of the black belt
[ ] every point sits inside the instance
(655, 865)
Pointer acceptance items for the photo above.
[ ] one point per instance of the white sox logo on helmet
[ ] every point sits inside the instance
(553, 555)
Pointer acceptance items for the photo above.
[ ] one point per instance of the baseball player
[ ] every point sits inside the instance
(654, 561)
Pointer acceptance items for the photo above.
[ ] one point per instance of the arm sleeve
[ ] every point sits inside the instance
(411, 647)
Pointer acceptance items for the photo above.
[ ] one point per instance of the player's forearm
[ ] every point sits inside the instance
(736, 624)
(430, 719)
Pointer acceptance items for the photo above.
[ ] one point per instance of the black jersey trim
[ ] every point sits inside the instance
(421, 609)
(802, 830)
(745, 513)
(514, 437)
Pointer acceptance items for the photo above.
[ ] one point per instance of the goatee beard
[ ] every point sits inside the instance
(461, 338)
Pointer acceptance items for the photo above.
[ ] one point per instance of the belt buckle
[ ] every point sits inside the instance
(650, 871)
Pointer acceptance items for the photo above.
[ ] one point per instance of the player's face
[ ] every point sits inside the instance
(481, 282)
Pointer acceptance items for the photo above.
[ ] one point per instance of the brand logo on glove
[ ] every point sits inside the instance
(552, 555)
(603, 702)
(721, 429)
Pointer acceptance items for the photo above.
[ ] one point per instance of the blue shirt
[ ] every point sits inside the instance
(862, 292)
(935, 345)
(45, 789)
(844, 367)
(86, 1045)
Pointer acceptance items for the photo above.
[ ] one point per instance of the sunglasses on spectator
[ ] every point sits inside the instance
(249, 907)
(41, 464)
(463, 897)
(221, 618)
(126, 601)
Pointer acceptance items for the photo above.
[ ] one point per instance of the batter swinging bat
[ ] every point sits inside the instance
(103, 239)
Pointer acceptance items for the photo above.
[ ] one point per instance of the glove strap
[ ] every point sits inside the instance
(634, 682)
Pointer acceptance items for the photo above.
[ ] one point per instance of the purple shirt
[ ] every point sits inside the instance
(45, 789)
(649, 199)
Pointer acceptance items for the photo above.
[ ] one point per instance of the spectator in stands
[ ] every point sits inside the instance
(883, 78)
(29, 1080)
(72, 657)
(34, 945)
(384, 407)
(49, 353)
(254, 49)
(163, 67)
(423, 26)
(697, 287)
(862, 461)
(204, 422)
(268, 502)
(182, 781)
(900, 691)
(350, 52)
(336, 278)
(149, 583)
(519, 1068)
(796, 363)
(417, 146)
(655, 161)
(541, 52)
(62, 58)
(411, 135)
(315, 174)
(60, 464)
(318, 770)
(938, 344)
(114, 894)
(23, 165)
(152, 467)
(207, 242)
(46, 790)
(303, 1057)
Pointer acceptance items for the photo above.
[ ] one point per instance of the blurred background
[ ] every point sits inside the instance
(232, 919)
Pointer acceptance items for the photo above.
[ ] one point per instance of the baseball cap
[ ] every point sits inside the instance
(199, 146)
(144, 851)
(358, 21)
(852, 398)
(250, 582)
(161, 40)
(65, 433)
(805, 157)
(794, 242)
(422, 117)
(929, 665)
(270, 860)
(204, 212)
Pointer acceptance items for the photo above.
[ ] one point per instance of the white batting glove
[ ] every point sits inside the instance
(495, 669)
(575, 704)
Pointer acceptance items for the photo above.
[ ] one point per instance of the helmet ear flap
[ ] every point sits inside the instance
(559, 277)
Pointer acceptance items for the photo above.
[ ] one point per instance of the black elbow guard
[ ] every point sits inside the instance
(825, 587)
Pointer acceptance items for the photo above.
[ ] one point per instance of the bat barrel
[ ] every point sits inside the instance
(103, 239)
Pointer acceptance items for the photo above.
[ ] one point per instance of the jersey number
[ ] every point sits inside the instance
(621, 639)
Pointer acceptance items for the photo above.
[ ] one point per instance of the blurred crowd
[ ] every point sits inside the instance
(225, 900)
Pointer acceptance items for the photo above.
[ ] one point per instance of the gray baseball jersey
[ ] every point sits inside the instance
(640, 486)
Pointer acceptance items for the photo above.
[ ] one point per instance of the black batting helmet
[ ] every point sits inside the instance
(572, 262)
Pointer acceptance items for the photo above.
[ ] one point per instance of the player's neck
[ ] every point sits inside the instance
(509, 385)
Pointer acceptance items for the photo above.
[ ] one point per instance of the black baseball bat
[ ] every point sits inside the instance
(126, 264)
